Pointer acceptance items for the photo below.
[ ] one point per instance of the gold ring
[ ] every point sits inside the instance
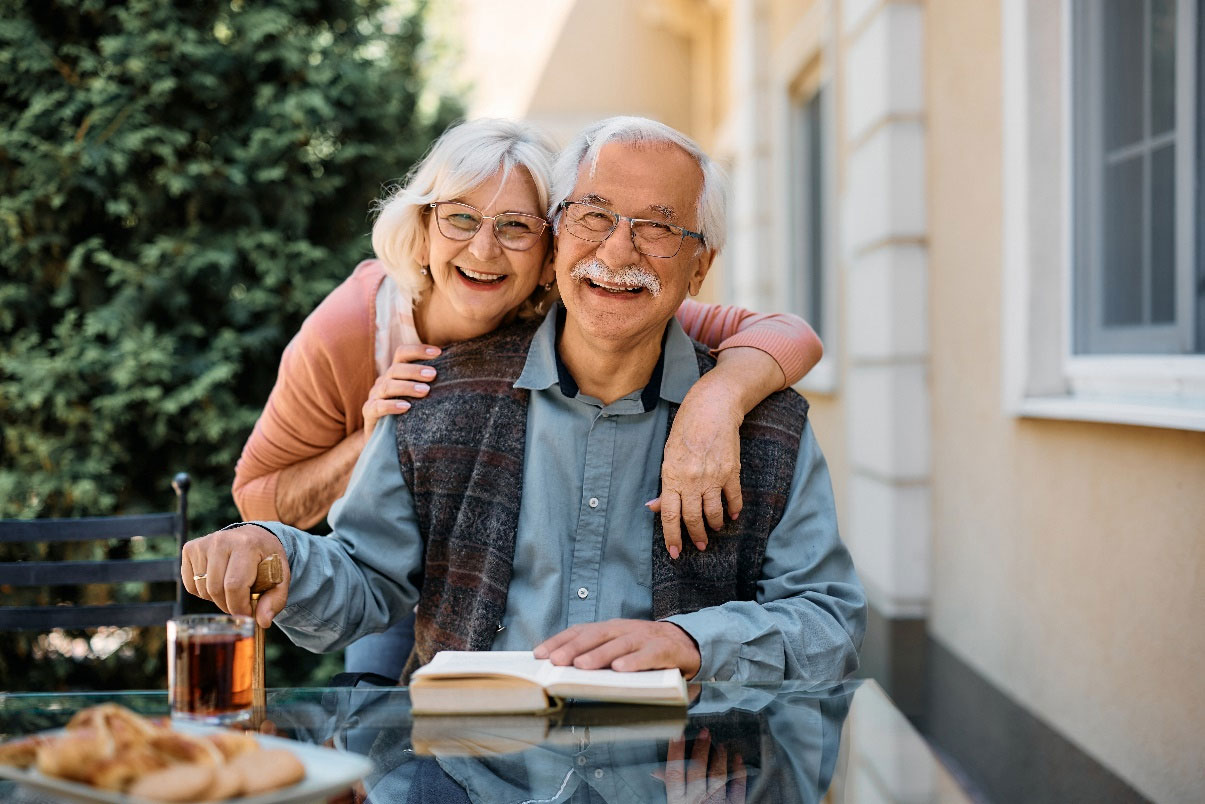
(198, 577)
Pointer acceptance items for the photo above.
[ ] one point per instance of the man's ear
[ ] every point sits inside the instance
(702, 266)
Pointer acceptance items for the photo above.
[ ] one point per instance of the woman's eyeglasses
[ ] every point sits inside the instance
(516, 231)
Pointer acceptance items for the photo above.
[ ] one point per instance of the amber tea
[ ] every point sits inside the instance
(210, 665)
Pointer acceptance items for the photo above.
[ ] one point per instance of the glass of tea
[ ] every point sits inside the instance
(210, 661)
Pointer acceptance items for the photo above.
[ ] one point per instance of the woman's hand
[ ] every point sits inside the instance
(708, 776)
(702, 465)
(401, 379)
(702, 462)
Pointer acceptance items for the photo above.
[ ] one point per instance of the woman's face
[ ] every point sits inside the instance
(477, 280)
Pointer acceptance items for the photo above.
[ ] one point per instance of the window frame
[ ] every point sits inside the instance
(1082, 43)
(802, 73)
(801, 280)
(1042, 376)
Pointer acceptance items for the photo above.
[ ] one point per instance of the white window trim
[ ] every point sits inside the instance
(811, 38)
(1155, 391)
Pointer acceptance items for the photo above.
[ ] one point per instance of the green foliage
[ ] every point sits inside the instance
(180, 184)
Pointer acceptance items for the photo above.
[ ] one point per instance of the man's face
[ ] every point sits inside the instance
(631, 296)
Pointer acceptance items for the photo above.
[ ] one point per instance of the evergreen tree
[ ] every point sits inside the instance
(180, 184)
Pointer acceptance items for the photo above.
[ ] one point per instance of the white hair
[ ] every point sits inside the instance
(641, 131)
(463, 158)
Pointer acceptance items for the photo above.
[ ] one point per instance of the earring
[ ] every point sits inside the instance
(424, 271)
(547, 286)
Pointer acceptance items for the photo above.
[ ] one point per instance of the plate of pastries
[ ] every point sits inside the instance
(107, 753)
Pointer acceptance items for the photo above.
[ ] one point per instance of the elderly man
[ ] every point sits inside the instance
(510, 504)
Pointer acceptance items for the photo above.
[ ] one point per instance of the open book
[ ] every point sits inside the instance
(516, 681)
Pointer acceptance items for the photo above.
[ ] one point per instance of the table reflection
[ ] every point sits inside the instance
(733, 743)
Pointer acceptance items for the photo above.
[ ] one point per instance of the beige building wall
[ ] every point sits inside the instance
(1068, 558)
(577, 61)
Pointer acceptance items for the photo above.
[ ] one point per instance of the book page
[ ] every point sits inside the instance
(515, 663)
(611, 679)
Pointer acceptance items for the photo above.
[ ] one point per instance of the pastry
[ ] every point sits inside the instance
(111, 748)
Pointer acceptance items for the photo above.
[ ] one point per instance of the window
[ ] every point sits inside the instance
(1136, 171)
(809, 209)
(806, 219)
(1102, 241)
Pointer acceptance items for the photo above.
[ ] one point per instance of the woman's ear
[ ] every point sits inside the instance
(422, 247)
(548, 271)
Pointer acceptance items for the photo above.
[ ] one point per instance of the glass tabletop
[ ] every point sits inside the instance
(734, 743)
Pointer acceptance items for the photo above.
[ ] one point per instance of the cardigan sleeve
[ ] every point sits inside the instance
(325, 375)
(786, 338)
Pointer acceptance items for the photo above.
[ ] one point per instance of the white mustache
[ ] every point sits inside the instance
(629, 276)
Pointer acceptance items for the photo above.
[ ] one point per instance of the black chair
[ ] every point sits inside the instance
(105, 571)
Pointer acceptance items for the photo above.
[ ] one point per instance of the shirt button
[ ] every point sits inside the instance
(583, 592)
(598, 773)
(581, 760)
(593, 502)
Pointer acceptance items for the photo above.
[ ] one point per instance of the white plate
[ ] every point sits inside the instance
(326, 772)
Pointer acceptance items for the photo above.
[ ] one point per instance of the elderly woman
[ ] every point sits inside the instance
(462, 247)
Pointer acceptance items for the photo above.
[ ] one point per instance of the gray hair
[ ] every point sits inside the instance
(642, 131)
(463, 158)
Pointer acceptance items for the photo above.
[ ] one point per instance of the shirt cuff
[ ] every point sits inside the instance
(715, 645)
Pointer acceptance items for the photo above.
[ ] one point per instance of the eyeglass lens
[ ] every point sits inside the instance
(514, 230)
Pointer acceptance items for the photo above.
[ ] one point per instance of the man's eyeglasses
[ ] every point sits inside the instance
(595, 224)
(516, 231)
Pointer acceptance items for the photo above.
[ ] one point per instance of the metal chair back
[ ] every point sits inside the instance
(103, 571)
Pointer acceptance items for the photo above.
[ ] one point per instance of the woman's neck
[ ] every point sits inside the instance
(439, 325)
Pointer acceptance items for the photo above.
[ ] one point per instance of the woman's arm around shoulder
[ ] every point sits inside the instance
(758, 355)
(309, 432)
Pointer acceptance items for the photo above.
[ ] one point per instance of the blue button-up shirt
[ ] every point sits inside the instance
(584, 540)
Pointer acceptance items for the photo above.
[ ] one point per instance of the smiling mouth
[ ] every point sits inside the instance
(613, 288)
(479, 278)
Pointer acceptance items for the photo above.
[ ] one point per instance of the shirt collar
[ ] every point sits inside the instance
(676, 370)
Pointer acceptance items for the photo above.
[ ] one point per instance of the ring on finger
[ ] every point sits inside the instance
(199, 577)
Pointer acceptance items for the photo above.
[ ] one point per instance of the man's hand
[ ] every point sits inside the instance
(228, 560)
(708, 777)
(623, 645)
